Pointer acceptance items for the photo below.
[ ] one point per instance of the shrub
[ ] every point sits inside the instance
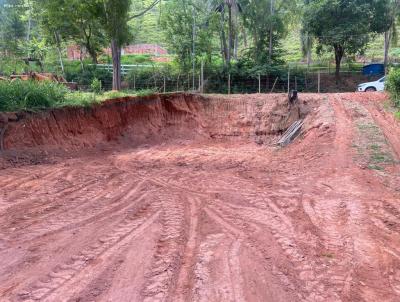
(136, 59)
(96, 86)
(30, 95)
(393, 85)
(74, 73)
(79, 99)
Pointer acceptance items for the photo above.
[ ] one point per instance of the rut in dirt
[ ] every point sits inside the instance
(186, 198)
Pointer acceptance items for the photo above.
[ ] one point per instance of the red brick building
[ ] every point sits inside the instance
(74, 53)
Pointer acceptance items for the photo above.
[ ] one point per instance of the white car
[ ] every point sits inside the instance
(372, 86)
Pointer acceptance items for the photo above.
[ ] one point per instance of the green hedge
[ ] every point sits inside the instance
(29, 95)
(393, 85)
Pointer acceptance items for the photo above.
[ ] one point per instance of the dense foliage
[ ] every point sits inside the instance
(240, 37)
(345, 26)
(393, 85)
(22, 95)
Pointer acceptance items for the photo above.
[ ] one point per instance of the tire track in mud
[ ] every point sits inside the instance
(216, 210)
(229, 287)
(50, 197)
(270, 221)
(185, 276)
(359, 247)
(311, 224)
(81, 213)
(79, 269)
(390, 130)
(161, 279)
(278, 221)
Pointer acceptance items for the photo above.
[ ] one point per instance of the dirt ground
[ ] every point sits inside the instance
(186, 198)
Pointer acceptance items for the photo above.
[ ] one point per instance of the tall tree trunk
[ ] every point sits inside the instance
(339, 52)
(271, 32)
(309, 50)
(223, 39)
(28, 32)
(229, 35)
(81, 58)
(236, 39)
(386, 49)
(236, 47)
(59, 51)
(244, 36)
(92, 54)
(116, 58)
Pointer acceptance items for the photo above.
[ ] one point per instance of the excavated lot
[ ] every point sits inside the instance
(186, 198)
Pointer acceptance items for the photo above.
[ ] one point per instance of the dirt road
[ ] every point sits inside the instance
(214, 213)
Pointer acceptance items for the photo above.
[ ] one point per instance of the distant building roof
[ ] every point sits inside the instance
(150, 49)
(74, 52)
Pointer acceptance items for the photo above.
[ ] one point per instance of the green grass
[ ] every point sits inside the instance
(375, 167)
(29, 95)
(33, 96)
(375, 148)
(86, 99)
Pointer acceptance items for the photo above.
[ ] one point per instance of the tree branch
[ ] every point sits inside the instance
(145, 11)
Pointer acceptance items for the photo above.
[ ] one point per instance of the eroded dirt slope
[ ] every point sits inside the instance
(202, 207)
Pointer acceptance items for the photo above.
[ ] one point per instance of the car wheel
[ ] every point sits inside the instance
(370, 89)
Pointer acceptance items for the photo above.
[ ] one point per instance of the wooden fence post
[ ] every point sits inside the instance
(319, 81)
(202, 77)
(305, 80)
(165, 85)
(229, 83)
(177, 83)
(259, 83)
(273, 86)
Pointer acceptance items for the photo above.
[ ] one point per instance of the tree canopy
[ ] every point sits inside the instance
(345, 26)
(226, 34)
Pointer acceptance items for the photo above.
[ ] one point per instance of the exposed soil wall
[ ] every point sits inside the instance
(156, 118)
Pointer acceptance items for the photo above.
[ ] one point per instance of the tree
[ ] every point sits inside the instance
(233, 9)
(12, 27)
(306, 45)
(345, 26)
(189, 24)
(390, 35)
(114, 17)
(73, 20)
(306, 39)
(267, 21)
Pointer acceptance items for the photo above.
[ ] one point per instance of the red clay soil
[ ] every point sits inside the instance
(185, 198)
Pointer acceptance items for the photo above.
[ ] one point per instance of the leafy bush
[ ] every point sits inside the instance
(393, 85)
(128, 59)
(96, 86)
(79, 99)
(30, 95)
(23, 95)
(136, 59)
(74, 73)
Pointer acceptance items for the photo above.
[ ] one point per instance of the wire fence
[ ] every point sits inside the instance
(309, 82)
(300, 77)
